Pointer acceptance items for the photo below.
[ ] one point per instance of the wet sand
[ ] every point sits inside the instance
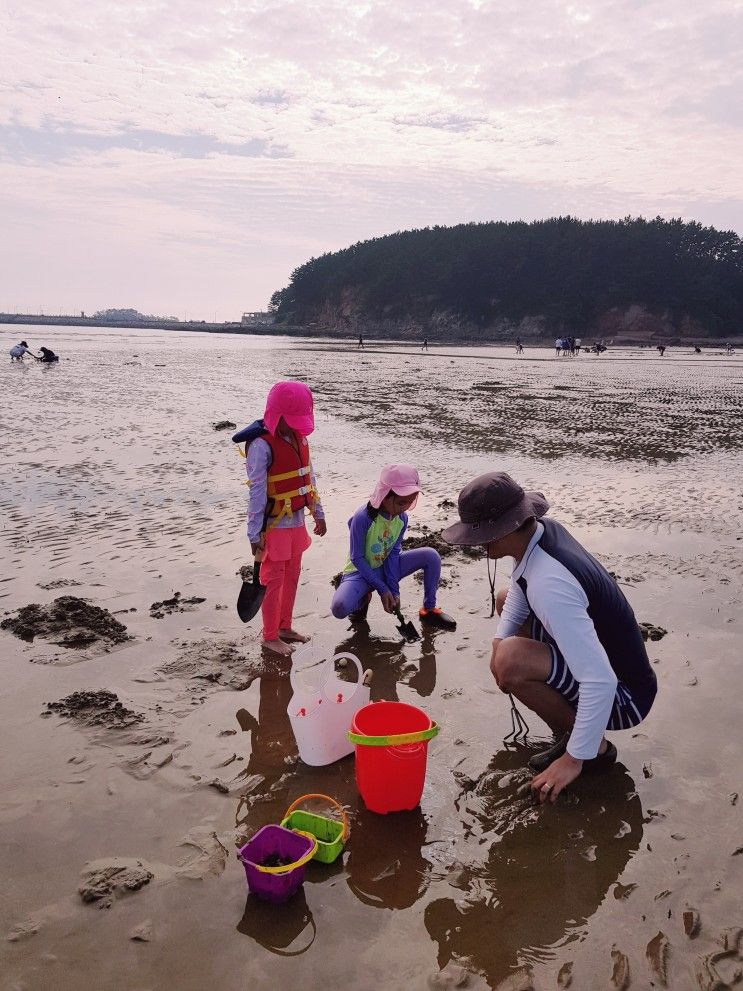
(118, 826)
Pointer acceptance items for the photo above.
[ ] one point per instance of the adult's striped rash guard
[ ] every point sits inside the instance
(585, 614)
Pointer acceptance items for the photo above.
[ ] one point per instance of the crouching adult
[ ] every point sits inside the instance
(567, 643)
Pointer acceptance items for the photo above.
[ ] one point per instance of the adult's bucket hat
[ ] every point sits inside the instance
(293, 401)
(492, 506)
(401, 479)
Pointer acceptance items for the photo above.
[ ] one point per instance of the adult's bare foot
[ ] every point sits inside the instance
(278, 647)
(291, 636)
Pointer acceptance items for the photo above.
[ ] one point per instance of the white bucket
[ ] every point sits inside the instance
(322, 707)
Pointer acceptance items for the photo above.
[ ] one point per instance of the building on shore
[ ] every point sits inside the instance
(258, 319)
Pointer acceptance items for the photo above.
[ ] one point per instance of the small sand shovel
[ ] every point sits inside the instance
(406, 628)
(251, 595)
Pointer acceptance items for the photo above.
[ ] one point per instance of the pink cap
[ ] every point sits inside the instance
(293, 401)
(402, 479)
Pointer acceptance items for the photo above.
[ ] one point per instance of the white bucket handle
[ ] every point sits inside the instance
(327, 665)
(315, 658)
(354, 687)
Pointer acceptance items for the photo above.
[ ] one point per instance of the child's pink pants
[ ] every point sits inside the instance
(282, 562)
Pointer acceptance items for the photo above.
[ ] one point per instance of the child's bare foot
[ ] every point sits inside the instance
(291, 636)
(278, 647)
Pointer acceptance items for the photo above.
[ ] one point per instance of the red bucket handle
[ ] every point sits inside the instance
(396, 739)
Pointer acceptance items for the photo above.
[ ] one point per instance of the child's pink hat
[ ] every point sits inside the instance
(293, 401)
(402, 479)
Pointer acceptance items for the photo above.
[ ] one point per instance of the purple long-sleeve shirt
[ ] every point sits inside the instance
(387, 577)
(257, 463)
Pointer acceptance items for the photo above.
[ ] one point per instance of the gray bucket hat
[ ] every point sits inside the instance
(492, 506)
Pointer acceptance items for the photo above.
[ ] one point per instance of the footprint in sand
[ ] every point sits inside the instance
(657, 955)
(620, 977)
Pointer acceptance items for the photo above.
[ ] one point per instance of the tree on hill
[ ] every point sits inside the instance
(565, 271)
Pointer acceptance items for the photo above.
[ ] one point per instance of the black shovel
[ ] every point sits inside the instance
(406, 628)
(251, 595)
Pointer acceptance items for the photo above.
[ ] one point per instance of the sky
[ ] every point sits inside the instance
(183, 158)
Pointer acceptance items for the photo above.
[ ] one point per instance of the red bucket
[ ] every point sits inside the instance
(391, 740)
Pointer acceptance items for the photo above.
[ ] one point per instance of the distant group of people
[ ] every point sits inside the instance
(20, 350)
(567, 346)
(570, 346)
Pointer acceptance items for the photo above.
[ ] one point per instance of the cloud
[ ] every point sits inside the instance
(456, 123)
(62, 143)
(303, 125)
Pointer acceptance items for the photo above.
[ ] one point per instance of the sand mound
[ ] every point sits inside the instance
(219, 662)
(651, 632)
(105, 880)
(99, 708)
(79, 623)
(433, 538)
(175, 604)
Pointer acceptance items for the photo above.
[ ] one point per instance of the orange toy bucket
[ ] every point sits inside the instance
(391, 740)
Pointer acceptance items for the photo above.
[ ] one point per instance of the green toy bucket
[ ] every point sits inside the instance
(331, 834)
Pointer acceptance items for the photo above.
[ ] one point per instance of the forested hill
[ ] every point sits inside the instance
(474, 280)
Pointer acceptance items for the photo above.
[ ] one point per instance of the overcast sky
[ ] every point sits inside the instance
(183, 157)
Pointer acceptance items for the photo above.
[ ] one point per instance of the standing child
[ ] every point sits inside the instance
(376, 561)
(282, 486)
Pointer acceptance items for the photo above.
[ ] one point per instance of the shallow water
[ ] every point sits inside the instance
(116, 488)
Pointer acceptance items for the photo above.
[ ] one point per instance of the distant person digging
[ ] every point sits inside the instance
(567, 644)
(47, 355)
(18, 351)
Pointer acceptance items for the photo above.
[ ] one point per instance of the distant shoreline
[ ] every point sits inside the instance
(280, 330)
(39, 319)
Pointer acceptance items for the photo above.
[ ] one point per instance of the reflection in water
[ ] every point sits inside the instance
(546, 871)
(391, 664)
(386, 867)
(272, 753)
(279, 929)
(272, 738)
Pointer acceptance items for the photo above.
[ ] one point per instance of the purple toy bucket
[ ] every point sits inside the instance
(276, 884)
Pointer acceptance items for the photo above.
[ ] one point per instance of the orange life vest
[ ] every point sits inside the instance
(289, 482)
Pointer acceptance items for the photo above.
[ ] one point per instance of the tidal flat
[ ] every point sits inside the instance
(137, 760)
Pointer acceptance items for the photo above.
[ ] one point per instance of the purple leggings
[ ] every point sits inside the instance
(353, 589)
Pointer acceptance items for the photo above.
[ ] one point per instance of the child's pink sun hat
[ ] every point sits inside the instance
(401, 479)
(293, 401)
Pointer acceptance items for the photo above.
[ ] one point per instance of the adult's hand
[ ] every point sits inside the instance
(320, 528)
(258, 547)
(549, 783)
(389, 601)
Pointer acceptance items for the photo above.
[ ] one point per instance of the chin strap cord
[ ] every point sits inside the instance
(519, 726)
(491, 579)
